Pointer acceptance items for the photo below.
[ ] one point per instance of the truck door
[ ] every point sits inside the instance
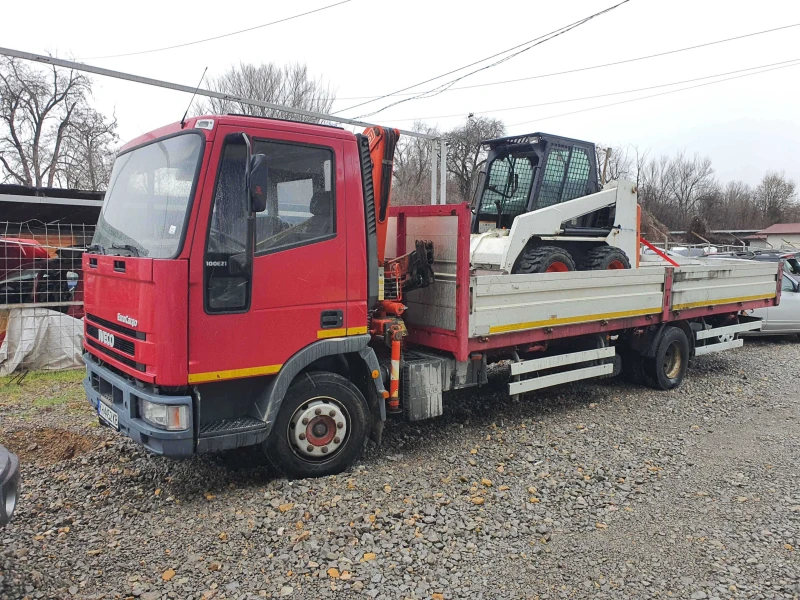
(250, 324)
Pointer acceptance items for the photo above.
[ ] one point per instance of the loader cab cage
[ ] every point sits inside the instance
(529, 172)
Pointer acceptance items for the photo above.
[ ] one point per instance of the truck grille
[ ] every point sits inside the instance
(106, 324)
(125, 346)
(115, 355)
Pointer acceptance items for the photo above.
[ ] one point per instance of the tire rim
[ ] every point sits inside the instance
(318, 429)
(673, 360)
(615, 264)
(557, 267)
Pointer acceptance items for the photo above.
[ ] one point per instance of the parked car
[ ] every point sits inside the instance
(9, 484)
(791, 260)
(783, 319)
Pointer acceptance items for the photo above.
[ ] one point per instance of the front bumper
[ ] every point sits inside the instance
(9, 484)
(122, 395)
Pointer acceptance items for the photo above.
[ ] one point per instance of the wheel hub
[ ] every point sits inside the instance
(318, 428)
(673, 361)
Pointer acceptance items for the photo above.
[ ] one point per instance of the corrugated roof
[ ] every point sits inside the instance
(781, 229)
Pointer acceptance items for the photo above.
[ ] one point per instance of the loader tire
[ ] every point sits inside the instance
(605, 258)
(544, 259)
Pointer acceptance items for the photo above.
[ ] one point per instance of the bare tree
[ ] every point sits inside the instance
(36, 110)
(672, 189)
(466, 155)
(88, 151)
(290, 85)
(690, 180)
(412, 167)
(776, 197)
(616, 162)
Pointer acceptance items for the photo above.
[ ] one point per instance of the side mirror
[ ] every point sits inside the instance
(259, 177)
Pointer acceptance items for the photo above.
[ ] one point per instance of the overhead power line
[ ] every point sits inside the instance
(580, 69)
(84, 68)
(525, 46)
(217, 37)
(575, 112)
(643, 89)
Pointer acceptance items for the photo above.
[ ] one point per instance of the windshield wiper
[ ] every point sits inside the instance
(132, 249)
(96, 248)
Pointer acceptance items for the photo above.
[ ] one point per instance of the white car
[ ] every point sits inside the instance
(783, 319)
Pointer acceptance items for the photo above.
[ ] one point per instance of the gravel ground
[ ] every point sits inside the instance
(600, 490)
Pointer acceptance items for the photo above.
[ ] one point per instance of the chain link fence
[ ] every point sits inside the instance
(41, 295)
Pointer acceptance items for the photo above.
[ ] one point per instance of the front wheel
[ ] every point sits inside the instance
(321, 428)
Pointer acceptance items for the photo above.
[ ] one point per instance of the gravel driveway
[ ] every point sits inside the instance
(600, 490)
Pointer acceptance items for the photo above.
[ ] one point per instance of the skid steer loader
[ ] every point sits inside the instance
(541, 209)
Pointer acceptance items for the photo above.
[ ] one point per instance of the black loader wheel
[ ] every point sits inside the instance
(322, 426)
(605, 258)
(544, 259)
(667, 368)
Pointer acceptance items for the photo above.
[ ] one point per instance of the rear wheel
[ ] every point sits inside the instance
(603, 258)
(544, 259)
(667, 368)
(321, 428)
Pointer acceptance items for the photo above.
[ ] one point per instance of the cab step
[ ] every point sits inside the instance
(226, 434)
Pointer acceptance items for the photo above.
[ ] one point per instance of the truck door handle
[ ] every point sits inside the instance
(331, 319)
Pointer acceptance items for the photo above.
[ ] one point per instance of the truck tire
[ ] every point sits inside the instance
(633, 368)
(605, 258)
(544, 259)
(322, 426)
(667, 368)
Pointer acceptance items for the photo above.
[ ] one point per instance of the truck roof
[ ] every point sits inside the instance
(243, 121)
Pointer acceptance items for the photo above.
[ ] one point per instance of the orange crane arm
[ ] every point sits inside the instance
(382, 144)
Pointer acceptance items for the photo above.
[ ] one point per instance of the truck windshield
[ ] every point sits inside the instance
(146, 205)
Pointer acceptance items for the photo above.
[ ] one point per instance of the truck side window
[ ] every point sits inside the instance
(788, 285)
(300, 198)
(227, 234)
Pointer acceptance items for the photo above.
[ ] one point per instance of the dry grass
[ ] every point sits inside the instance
(42, 390)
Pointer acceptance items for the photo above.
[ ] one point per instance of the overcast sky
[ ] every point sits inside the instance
(367, 48)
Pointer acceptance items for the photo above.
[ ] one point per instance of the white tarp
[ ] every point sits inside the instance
(41, 339)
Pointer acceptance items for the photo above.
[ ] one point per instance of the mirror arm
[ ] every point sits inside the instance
(251, 216)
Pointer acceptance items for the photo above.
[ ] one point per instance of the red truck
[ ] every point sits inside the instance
(249, 283)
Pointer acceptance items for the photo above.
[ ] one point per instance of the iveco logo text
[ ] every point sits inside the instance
(216, 263)
(127, 320)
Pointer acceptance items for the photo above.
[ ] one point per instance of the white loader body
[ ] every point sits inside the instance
(498, 249)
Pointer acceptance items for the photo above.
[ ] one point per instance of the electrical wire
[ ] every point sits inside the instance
(580, 69)
(224, 35)
(575, 112)
(652, 87)
(535, 42)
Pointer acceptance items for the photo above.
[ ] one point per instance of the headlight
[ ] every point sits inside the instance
(164, 416)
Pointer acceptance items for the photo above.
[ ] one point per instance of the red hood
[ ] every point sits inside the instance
(136, 315)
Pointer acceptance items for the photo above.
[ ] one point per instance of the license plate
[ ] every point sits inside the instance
(108, 415)
(105, 338)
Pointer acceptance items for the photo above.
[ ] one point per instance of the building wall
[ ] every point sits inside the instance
(784, 241)
(758, 244)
